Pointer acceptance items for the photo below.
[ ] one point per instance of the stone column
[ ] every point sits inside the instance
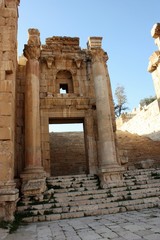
(33, 177)
(8, 63)
(154, 61)
(109, 168)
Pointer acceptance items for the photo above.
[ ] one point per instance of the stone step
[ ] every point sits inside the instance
(96, 198)
(117, 190)
(91, 210)
(81, 195)
(141, 172)
(80, 177)
(75, 185)
(106, 194)
(75, 189)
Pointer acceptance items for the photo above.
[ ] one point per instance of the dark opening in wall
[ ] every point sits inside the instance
(63, 88)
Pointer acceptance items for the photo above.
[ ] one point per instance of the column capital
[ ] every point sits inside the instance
(32, 48)
(99, 55)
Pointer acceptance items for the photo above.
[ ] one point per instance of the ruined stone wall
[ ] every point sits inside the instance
(137, 151)
(146, 122)
(134, 151)
(8, 66)
(8, 46)
(67, 152)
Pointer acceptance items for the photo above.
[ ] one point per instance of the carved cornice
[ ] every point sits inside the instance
(32, 48)
(154, 61)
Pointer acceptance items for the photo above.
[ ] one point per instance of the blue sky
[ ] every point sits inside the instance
(125, 26)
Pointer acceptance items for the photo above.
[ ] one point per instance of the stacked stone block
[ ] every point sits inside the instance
(67, 152)
(8, 59)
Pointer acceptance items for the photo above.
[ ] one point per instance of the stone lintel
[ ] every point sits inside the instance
(94, 42)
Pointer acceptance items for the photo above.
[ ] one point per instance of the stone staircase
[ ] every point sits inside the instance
(81, 195)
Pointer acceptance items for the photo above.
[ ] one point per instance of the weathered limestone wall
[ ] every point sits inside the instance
(8, 60)
(67, 152)
(137, 151)
(146, 122)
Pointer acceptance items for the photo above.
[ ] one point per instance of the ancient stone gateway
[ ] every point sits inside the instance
(31, 98)
(61, 64)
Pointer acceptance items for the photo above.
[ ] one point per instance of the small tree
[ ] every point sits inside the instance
(121, 100)
(147, 101)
